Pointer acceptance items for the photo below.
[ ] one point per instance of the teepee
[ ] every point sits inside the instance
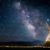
(48, 37)
(47, 41)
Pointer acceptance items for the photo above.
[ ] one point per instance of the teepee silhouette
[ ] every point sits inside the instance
(47, 43)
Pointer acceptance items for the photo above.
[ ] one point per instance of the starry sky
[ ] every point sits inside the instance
(24, 20)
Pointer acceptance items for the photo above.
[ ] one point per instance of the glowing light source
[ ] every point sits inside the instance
(48, 37)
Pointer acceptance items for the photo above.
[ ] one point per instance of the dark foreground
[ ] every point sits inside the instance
(22, 43)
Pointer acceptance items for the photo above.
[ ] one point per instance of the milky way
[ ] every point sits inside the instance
(19, 22)
(36, 27)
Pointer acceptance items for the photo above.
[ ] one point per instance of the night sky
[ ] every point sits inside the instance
(24, 20)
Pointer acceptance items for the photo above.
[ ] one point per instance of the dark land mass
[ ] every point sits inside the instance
(22, 43)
